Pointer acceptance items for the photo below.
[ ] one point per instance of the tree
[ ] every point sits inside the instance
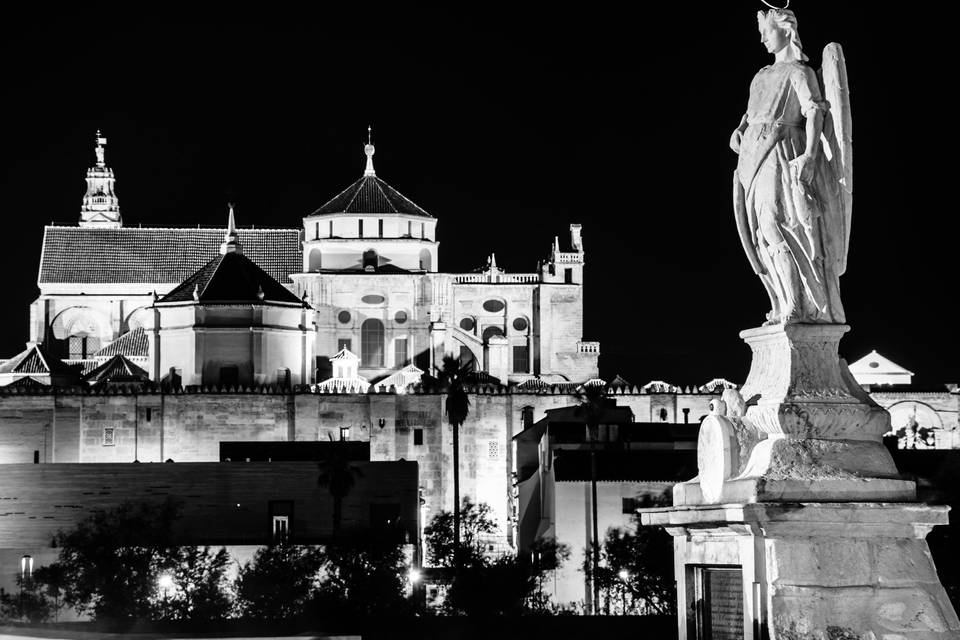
(278, 582)
(457, 408)
(338, 475)
(591, 407)
(109, 563)
(546, 555)
(443, 548)
(30, 602)
(636, 572)
(364, 576)
(200, 585)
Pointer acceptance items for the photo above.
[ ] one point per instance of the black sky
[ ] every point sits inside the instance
(507, 135)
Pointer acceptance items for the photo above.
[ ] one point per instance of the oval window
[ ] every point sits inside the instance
(493, 306)
(401, 317)
(344, 317)
(372, 298)
(467, 324)
(520, 324)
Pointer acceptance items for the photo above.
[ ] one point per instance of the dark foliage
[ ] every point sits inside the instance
(200, 585)
(279, 582)
(635, 575)
(363, 577)
(476, 521)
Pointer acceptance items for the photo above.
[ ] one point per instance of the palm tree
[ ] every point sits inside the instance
(591, 406)
(457, 408)
(337, 475)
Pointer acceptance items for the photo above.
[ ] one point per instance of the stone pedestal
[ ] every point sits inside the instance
(809, 571)
(804, 429)
(799, 526)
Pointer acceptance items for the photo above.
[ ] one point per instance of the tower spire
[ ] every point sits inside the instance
(100, 205)
(230, 244)
(369, 150)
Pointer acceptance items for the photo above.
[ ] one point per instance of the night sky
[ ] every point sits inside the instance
(507, 135)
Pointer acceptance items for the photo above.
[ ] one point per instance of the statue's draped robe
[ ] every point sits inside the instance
(779, 214)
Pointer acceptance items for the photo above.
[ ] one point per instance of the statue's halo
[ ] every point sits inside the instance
(786, 4)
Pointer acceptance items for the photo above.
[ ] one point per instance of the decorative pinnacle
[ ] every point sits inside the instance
(369, 150)
(230, 242)
(101, 141)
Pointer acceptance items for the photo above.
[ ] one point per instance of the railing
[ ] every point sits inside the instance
(568, 258)
(588, 347)
(498, 278)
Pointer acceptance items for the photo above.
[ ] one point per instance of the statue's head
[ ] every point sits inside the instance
(778, 29)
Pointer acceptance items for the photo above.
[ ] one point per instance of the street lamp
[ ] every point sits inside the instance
(166, 584)
(624, 578)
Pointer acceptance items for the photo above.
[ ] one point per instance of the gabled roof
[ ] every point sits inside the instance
(717, 385)
(344, 354)
(117, 369)
(34, 360)
(231, 278)
(156, 255)
(410, 374)
(875, 364)
(659, 386)
(132, 344)
(27, 382)
(370, 194)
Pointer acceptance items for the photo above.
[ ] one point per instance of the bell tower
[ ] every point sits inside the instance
(100, 205)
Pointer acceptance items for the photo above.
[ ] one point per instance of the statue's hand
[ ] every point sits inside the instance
(735, 138)
(802, 167)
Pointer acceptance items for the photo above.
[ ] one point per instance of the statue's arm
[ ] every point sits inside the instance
(738, 134)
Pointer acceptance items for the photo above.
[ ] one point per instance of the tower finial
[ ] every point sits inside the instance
(230, 242)
(369, 150)
(99, 150)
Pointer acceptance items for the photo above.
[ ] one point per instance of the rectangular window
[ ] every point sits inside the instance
(316, 233)
(418, 436)
(360, 226)
(149, 413)
(400, 352)
(230, 375)
(344, 343)
(422, 233)
(410, 228)
(109, 436)
(281, 527)
(380, 228)
(330, 230)
(521, 359)
(568, 276)
(82, 347)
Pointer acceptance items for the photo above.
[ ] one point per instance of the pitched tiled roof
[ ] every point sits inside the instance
(231, 277)
(370, 194)
(155, 255)
(117, 369)
(34, 360)
(27, 382)
(132, 344)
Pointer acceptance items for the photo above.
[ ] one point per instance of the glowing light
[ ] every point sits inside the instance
(624, 575)
(165, 581)
(414, 576)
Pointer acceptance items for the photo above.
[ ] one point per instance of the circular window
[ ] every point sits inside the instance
(344, 317)
(874, 365)
(372, 299)
(493, 306)
(401, 317)
(520, 324)
(467, 324)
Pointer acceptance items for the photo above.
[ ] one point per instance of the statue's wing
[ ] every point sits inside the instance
(838, 134)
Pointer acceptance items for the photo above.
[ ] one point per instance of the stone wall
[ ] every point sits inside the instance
(189, 427)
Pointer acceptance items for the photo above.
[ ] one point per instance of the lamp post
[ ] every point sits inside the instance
(166, 584)
(624, 578)
(26, 573)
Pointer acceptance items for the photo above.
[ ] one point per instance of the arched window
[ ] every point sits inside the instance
(370, 259)
(426, 260)
(489, 332)
(371, 343)
(315, 260)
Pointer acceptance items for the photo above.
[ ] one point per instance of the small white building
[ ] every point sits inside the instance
(875, 369)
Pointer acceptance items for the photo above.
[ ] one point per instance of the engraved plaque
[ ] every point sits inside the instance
(722, 605)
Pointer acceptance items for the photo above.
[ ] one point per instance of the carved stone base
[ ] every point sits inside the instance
(801, 429)
(808, 571)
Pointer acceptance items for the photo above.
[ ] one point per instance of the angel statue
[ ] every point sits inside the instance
(792, 189)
